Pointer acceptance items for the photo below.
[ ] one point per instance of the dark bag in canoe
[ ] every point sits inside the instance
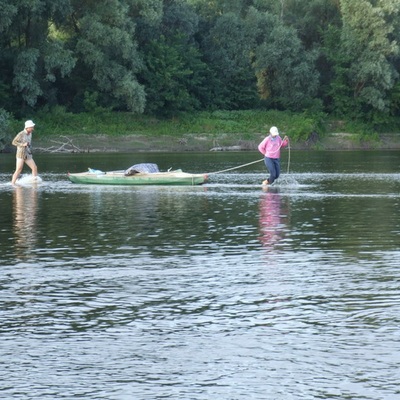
(147, 168)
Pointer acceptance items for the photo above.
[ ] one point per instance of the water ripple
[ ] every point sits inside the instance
(225, 290)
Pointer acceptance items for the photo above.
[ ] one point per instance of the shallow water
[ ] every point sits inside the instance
(223, 291)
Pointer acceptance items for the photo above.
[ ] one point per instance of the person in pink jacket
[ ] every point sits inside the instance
(270, 148)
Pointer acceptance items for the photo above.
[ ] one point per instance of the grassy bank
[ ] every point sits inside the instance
(208, 123)
(113, 131)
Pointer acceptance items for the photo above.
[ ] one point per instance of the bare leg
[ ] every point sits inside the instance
(32, 165)
(18, 170)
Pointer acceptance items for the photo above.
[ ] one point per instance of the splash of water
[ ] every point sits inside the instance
(287, 180)
(29, 180)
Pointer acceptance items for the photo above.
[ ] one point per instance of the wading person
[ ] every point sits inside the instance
(270, 148)
(24, 154)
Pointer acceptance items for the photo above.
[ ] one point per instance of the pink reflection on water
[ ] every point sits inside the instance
(273, 218)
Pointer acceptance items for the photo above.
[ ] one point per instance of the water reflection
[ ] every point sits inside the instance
(273, 218)
(25, 205)
(219, 292)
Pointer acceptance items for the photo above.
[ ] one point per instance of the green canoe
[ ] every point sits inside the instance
(119, 178)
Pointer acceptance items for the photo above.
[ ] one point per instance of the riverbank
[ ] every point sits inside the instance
(194, 142)
(59, 131)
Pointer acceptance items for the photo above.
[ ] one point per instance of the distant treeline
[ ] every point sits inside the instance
(162, 57)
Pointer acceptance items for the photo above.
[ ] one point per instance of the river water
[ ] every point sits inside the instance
(223, 291)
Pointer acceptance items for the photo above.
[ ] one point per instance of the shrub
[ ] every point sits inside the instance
(5, 133)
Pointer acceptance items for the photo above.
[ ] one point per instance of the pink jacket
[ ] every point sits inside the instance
(271, 146)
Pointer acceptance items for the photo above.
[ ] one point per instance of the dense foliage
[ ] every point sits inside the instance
(162, 57)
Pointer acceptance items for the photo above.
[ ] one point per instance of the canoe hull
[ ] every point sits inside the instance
(118, 178)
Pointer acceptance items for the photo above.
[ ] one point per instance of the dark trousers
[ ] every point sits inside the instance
(274, 168)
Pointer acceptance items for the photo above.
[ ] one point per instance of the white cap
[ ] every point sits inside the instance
(274, 131)
(29, 124)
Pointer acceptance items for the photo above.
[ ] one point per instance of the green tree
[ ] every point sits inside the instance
(7, 13)
(175, 77)
(31, 54)
(4, 128)
(338, 95)
(311, 18)
(285, 70)
(106, 47)
(165, 78)
(228, 49)
(368, 49)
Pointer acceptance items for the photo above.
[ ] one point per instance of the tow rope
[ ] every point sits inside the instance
(250, 163)
(231, 169)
